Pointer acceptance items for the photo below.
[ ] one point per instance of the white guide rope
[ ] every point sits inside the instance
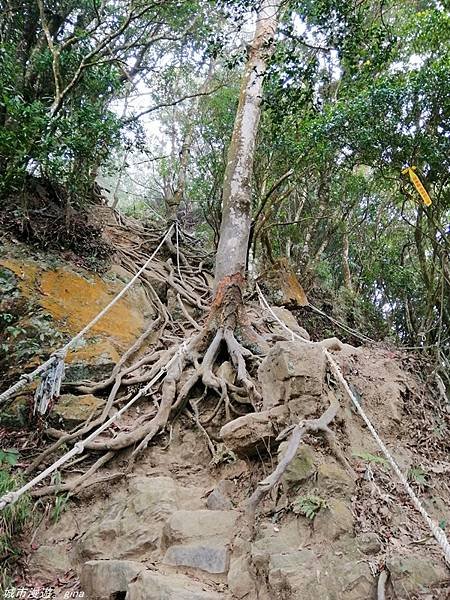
(437, 532)
(61, 353)
(12, 497)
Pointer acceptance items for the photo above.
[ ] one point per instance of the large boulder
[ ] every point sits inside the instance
(155, 586)
(287, 318)
(71, 410)
(302, 467)
(199, 539)
(333, 480)
(281, 285)
(293, 373)
(49, 562)
(416, 574)
(64, 299)
(289, 566)
(240, 581)
(219, 498)
(106, 579)
(334, 521)
(254, 432)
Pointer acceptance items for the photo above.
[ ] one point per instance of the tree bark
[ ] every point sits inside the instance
(345, 263)
(231, 254)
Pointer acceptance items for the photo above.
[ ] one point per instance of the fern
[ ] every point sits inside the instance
(418, 475)
(309, 506)
(372, 458)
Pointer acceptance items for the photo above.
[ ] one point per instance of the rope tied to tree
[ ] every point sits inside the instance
(437, 532)
(52, 370)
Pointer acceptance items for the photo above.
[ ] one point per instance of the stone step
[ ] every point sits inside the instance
(200, 539)
(106, 579)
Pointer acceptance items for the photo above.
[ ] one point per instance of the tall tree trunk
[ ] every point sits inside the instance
(123, 164)
(174, 200)
(231, 254)
(345, 263)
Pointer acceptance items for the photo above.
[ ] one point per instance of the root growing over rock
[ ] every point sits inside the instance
(226, 335)
(295, 434)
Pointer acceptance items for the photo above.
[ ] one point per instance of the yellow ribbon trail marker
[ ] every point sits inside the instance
(418, 185)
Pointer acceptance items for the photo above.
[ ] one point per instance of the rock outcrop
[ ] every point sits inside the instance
(103, 580)
(199, 539)
(249, 434)
(50, 301)
(293, 374)
(132, 527)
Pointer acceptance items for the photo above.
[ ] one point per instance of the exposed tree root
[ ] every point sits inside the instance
(381, 586)
(79, 483)
(296, 435)
(196, 420)
(117, 373)
(201, 353)
(226, 335)
(226, 320)
(72, 490)
(116, 376)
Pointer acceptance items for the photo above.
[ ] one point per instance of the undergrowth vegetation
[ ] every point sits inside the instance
(13, 518)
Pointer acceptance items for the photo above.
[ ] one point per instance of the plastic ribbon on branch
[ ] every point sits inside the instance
(417, 184)
(50, 384)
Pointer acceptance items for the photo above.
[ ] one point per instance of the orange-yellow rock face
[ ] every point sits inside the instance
(97, 350)
(284, 284)
(26, 273)
(73, 300)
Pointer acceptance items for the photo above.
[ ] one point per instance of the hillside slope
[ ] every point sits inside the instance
(170, 522)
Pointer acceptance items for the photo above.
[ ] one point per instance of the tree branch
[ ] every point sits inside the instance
(173, 103)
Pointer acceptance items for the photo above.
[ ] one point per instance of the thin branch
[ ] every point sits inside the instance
(275, 186)
(86, 61)
(173, 103)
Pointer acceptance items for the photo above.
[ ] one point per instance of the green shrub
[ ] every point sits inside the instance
(14, 517)
(309, 506)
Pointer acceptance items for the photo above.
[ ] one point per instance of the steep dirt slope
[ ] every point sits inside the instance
(174, 526)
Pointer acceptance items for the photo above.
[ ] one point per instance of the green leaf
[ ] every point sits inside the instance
(309, 505)
(372, 458)
(10, 456)
(418, 475)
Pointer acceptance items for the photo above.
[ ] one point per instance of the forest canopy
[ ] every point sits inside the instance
(143, 96)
